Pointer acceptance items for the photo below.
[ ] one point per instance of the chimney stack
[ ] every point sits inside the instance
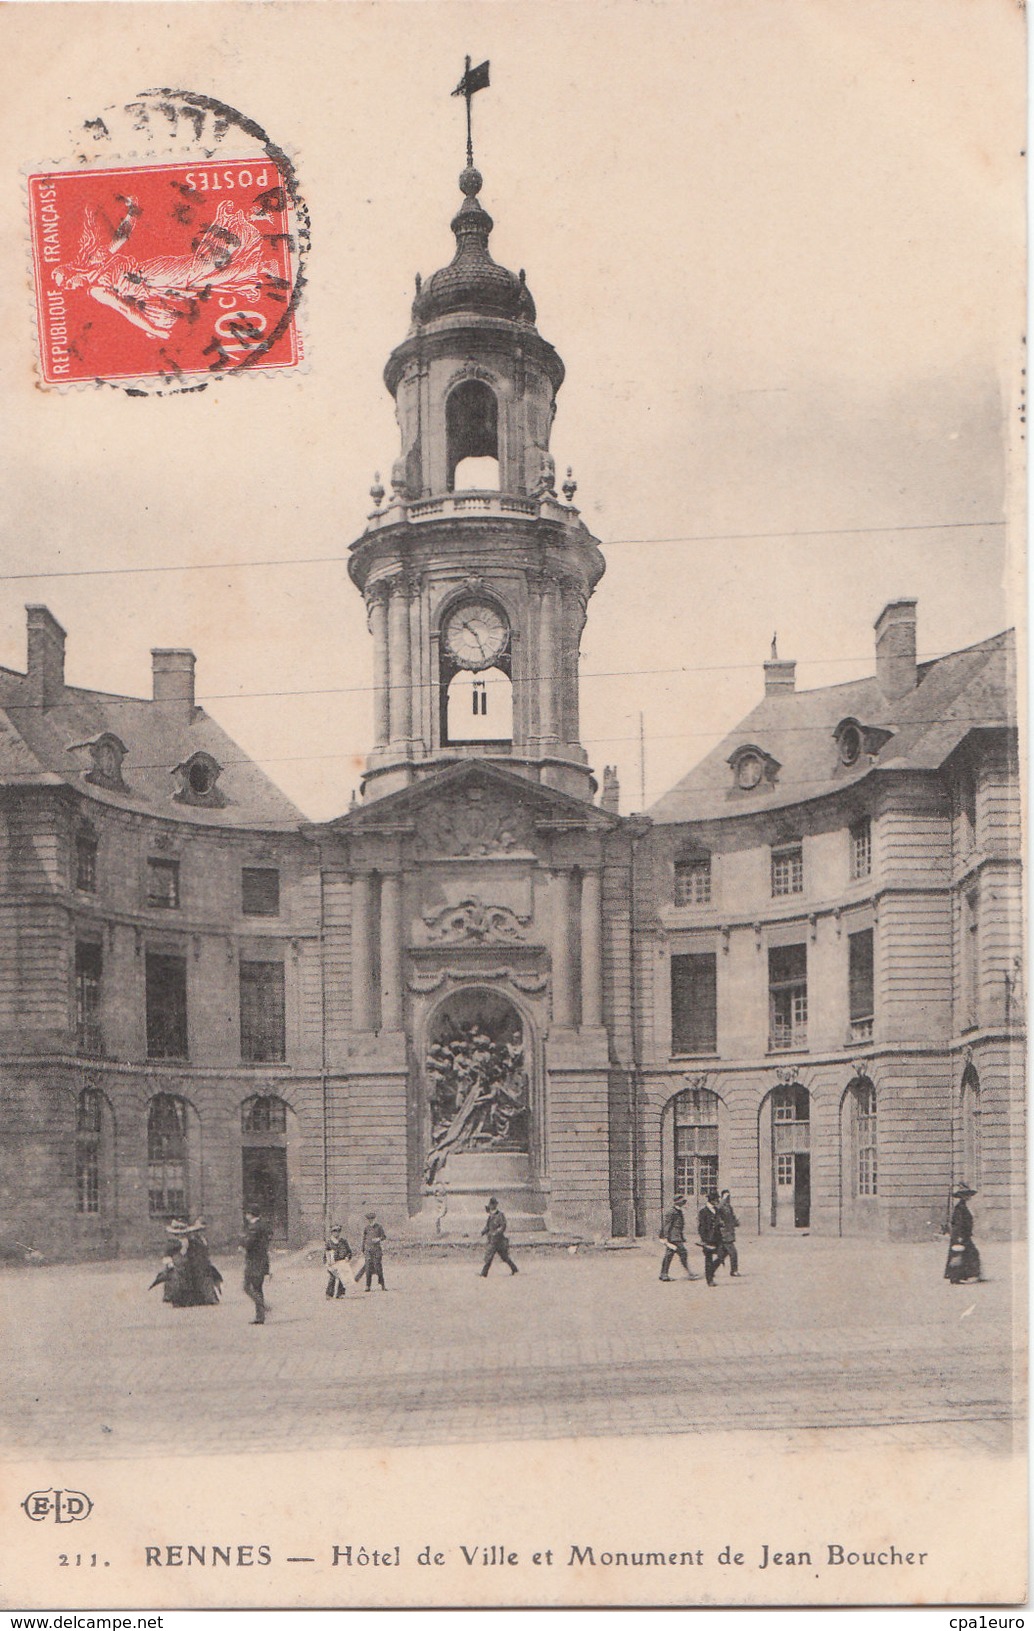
(896, 649)
(173, 677)
(610, 798)
(780, 676)
(46, 657)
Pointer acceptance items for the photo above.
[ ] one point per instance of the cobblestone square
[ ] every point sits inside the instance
(864, 1342)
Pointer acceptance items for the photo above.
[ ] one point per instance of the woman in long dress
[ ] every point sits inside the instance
(202, 1277)
(172, 1276)
(963, 1258)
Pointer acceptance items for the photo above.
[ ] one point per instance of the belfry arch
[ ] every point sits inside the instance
(471, 431)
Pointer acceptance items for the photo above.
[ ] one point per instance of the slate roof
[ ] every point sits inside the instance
(963, 691)
(35, 748)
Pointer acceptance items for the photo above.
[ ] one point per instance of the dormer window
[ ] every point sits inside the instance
(855, 740)
(198, 776)
(107, 752)
(753, 770)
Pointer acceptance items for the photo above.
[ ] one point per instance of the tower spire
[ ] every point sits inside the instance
(474, 79)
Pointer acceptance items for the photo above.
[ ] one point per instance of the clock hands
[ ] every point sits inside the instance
(472, 630)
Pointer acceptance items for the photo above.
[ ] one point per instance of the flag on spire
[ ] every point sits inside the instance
(474, 79)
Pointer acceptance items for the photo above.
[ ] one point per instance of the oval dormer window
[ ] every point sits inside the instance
(749, 771)
(198, 776)
(850, 745)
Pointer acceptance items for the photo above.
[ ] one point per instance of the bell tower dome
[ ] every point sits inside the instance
(476, 576)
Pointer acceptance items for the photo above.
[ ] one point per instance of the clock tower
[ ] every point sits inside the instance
(476, 900)
(476, 575)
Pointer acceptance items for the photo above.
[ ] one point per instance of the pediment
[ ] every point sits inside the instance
(475, 810)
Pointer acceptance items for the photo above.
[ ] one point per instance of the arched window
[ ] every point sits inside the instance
(863, 1117)
(479, 707)
(167, 1186)
(89, 1129)
(972, 1152)
(264, 1115)
(472, 435)
(696, 1142)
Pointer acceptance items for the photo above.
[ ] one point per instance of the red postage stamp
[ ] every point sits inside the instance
(163, 272)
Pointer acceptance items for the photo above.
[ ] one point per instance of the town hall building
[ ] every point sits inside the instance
(797, 977)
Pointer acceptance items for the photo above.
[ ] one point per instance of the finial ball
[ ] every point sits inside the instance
(470, 181)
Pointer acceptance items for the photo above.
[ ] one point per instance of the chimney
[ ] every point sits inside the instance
(780, 676)
(896, 648)
(610, 797)
(173, 677)
(46, 657)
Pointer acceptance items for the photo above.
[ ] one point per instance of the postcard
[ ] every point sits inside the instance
(510, 804)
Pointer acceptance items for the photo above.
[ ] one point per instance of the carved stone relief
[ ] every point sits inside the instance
(474, 822)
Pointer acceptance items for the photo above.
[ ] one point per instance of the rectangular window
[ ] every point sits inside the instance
(86, 864)
(788, 997)
(260, 891)
(861, 849)
(262, 1011)
(163, 883)
(694, 1010)
(860, 984)
(166, 1007)
(88, 996)
(784, 1170)
(693, 882)
(788, 870)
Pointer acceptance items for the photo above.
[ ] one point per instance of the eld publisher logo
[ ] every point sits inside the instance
(63, 1505)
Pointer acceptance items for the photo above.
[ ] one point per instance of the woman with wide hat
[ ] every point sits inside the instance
(963, 1258)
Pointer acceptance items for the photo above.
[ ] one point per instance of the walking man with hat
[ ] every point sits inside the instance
(673, 1233)
(373, 1259)
(498, 1245)
(256, 1262)
(709, 1230)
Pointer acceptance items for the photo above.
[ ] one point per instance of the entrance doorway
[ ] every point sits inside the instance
(264, 1176)
(264, 1183)
(785, 1141)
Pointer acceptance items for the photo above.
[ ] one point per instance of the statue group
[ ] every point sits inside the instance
(478, 1095)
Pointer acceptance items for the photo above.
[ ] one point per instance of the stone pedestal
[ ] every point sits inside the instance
(470, 1178)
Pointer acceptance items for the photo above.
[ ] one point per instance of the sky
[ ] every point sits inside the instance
(778, 245)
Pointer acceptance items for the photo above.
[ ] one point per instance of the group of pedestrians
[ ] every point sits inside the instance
(337, 1253)
(716, 1236)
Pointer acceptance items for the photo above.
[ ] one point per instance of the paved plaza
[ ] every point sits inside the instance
(863, 1340)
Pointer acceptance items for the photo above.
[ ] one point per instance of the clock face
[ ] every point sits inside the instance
(475, 636)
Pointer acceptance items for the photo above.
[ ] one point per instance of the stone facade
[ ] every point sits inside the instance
(797, 977)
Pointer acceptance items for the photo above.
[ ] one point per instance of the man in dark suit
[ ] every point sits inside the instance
(498, 1245)
(709, 1229)
(256, 1262)
(673, 1233)
(728, 1223)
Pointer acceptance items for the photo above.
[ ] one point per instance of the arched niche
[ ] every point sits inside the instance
(471, 433)
(476, 1080)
